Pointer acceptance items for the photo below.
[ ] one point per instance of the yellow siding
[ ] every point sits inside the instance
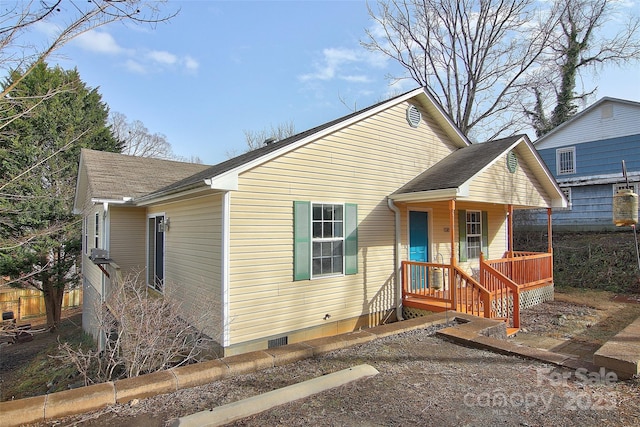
(128, 236)
(497, 185)
(362, 164)
(193, 254)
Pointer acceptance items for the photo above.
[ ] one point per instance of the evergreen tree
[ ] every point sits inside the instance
(55, 115)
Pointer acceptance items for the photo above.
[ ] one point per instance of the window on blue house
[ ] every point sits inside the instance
(566, 160)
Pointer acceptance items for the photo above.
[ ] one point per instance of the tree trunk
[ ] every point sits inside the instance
(53, 303)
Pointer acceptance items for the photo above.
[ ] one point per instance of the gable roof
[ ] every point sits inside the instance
(119, 177)
(224, 176)
(581, 114)
(440, 182)
(466, 162)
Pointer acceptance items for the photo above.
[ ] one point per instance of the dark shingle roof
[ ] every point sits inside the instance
(458, 167)
(114, 176)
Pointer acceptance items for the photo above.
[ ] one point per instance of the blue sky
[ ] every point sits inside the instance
(222, 67)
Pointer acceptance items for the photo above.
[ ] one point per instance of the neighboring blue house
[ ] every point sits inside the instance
(585, 156)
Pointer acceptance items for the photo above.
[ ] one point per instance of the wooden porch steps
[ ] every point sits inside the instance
(440, 306)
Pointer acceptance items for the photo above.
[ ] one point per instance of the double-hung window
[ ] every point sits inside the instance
(473, 234)
(566, 160)
(325, 239)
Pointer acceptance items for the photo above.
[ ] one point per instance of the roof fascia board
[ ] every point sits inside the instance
(146, 201)
(112, 201)
(426, 196)
(227, 181)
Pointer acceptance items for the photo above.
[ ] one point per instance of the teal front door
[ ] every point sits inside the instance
(418, 247)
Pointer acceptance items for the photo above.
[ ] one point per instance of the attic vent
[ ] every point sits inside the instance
(606, 111)
(413, 116)
(278, 342)
(512, 161)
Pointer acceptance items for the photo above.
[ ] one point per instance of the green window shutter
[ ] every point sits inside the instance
(351, 238)
(462, 235)
(301, 240)
(485, 234)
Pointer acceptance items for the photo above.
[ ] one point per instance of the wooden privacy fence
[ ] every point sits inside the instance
(30, 302)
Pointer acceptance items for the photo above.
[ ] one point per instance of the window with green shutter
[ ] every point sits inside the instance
(473, 234)
(325, 239)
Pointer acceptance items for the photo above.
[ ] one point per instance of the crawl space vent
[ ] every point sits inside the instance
(413, 116)
(278, 342)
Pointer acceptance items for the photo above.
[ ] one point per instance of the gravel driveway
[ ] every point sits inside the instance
(423, 380)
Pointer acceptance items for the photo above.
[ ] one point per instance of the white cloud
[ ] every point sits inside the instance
(135, 67)
(138, 61)
(190, 63)
(162, 57)
(99, 42)
(341, 62)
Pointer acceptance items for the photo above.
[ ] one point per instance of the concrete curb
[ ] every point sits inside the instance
(622, 353)
(473, 331)
(253, 405)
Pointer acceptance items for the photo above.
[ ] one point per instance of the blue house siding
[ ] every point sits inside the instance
(591, 208)
(598, 157)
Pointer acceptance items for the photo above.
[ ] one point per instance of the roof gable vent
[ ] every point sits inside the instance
(413, 116)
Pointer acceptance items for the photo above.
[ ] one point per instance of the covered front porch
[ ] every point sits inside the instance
(493, 288)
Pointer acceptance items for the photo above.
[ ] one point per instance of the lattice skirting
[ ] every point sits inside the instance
(412, 313)
(536, 296)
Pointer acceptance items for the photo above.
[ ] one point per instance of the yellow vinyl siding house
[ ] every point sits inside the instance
(337, 228)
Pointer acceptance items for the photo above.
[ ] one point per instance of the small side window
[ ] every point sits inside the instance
(566, 161)
(97, 233)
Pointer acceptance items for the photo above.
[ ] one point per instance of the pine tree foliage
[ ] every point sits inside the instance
(40, 144)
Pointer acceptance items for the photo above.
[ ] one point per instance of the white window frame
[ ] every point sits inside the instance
(470, 223)
(621, 185)
(559, 163)
(96, 240)
(320, 240)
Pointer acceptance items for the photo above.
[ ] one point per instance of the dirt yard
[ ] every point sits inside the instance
(425, 380)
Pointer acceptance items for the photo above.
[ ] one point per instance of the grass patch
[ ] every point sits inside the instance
(42, 374)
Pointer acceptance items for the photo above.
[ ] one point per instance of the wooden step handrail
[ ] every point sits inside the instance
(501, 287)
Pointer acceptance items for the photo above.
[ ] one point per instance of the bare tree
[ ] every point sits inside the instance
(473, 56)
(257, 139)
(143, 334)
(580, 43)
(18, 18)
(137, 140)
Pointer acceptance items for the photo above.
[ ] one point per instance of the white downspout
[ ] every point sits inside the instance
(226, 214)
(396, 261)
